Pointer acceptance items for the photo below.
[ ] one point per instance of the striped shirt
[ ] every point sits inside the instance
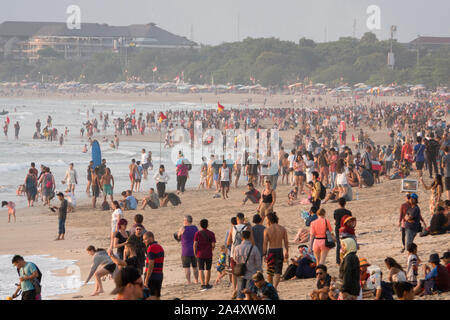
(155, 252)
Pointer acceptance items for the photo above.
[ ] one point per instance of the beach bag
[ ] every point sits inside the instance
(329, 242)
(174, 199)
(323, 191)
(36, 281)
(241, 268)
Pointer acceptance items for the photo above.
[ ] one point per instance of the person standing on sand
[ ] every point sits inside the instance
(31, 186)
(95, 187)
(274, 237)
(62, 214)
(29, 273)
(71, 178)
(90, 171)
(186, 236)
(107, 181)
(161, 179)
(267, 200)
(412, 219)
(48, 183)
(349, 271)
(144, 163)
(182, 176)
(133, 173)
(225, 178)
(153, 266)
(204, 244)
(16, 130)
(338, 214)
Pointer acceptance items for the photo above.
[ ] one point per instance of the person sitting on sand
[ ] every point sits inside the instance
(437, 277)
(292, 196)
(262, 290)
(11, 210)
(404, 290)
(310, 216)
(152, 200)
(128, 202)
(252, 194)
(352, 176)
(396, 272)
(301, 267)
(337, 193)
(323, 284)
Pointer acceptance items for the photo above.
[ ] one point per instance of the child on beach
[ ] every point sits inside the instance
(11, 210)
(221, 264)
(292, 196)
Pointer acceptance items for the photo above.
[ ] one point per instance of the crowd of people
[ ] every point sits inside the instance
(321, 167)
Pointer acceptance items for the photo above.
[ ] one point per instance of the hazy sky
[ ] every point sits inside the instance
(216, 21)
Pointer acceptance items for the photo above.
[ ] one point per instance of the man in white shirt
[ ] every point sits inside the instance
(144, 162)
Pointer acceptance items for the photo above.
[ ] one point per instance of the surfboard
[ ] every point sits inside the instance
(96, 153)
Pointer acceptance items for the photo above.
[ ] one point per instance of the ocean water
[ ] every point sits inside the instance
(16, 155)
(51, 284)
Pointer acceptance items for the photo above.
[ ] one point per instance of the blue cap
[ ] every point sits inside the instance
(414, 196)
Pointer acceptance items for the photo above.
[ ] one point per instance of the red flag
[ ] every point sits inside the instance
(219, 107)
(155, 68)
(7, 119)
(162, 117)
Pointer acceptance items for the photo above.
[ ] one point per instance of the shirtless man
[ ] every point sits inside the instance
(274, 236)
(116, 141)
(95, 187)
(108, 187)
(133, 169)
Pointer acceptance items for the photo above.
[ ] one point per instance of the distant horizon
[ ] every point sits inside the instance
(213, 22)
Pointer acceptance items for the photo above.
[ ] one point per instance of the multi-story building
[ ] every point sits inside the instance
(21, 39)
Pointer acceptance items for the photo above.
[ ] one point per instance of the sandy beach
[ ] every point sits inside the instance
(377, 232)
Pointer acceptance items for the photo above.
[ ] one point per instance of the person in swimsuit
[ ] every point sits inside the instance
(120, 237)
(274, 237)
(95, 187)
(107, 181)
(133, 173)
(267, 200)
(11, 210)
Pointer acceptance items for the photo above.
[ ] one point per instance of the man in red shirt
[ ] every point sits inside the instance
(401, 222)
(204, 244)
(153, 266)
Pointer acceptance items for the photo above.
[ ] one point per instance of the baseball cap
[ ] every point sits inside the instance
(414, 196)
(125, 276)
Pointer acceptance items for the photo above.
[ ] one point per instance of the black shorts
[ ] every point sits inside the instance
(447, 183)
(225, 184)
(110, 267)
(29, 295)
(155, 287)
(275, 261)
(189, 261)
(204, 264)
(95, 191)
(419, 165)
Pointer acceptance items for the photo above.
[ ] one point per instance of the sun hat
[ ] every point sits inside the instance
(363, 262)
(434, 258)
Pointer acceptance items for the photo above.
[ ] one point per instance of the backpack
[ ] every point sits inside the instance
(238, 236)
(323, 191)
(174, 199)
